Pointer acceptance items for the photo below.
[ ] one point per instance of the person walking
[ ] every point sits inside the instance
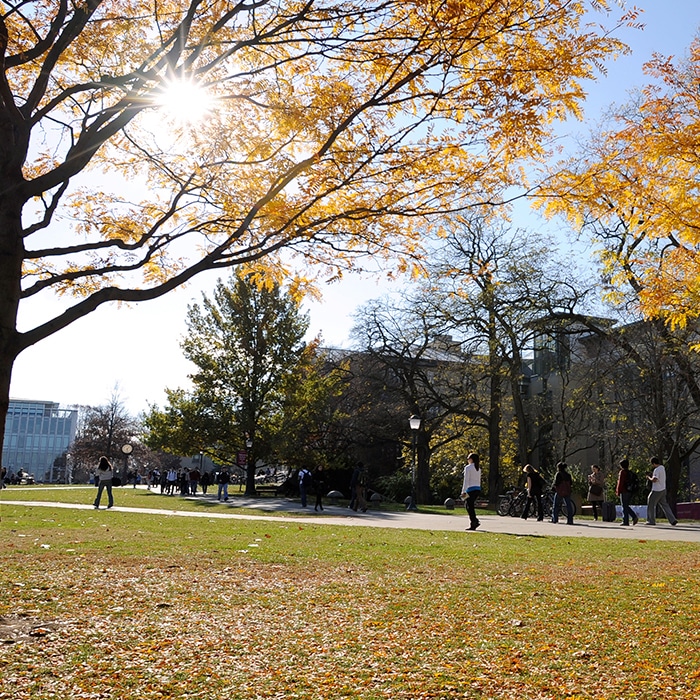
(195, 476)
(562, 491)
(205, 480)
(320, 484)
(357, 488)
(596, 490)
(223, 479)
(471, 488)
(104, 476)
(657, 495)
(624, 492)
(535, 486)
(171, 481)
(305, 479)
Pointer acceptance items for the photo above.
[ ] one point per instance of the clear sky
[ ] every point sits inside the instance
(137, 348)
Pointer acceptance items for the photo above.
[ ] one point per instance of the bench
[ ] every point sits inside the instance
(267, 489)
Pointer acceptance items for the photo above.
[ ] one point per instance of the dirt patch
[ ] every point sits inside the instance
(21, 628)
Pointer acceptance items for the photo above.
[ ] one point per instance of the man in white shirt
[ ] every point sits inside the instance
(657, 495)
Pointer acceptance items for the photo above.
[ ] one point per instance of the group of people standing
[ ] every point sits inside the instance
(563, 486)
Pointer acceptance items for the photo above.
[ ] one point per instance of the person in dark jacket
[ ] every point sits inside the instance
(223, 479)
(562, 491)
(535, 486)
(320, 484)
(357, 488)
(625, 494)
(205, 480)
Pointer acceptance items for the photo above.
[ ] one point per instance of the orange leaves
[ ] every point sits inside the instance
(336, 131)
(636, 188)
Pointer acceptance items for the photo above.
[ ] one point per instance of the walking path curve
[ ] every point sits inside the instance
(273, 509)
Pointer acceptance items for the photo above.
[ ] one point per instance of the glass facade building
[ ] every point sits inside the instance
(37, 437)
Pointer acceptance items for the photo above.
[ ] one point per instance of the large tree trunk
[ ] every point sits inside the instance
(11, 254)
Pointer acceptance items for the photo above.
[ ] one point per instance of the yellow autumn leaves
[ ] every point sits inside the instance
(636, 189)
(337, 128)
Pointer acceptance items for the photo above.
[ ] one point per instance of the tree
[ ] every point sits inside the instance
(633, 190)
(103, 430)
(495, 287)
(335, 128)
(634, 187)
(247, 344)
(409, 365)
(311, 427)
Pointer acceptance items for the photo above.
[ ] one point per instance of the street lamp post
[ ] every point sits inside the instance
(248, 447)
(127, 449)
(414, 422)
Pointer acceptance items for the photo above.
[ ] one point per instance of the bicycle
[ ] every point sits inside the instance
(548, 506)
(512, 503)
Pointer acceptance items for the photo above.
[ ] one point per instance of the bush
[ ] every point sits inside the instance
(395, 487)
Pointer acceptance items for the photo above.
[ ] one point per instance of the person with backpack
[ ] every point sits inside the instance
(305, 479)
(626, 486)
(535, 487)
(562, 491)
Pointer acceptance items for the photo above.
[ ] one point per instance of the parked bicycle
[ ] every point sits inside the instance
(512, 503)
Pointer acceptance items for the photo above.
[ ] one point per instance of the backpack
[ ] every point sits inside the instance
(306, 477)
(632, 481)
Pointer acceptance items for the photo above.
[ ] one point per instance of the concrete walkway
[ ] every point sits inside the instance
(278, 509)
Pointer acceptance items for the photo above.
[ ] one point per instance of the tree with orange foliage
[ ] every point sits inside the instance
(144, 142)
(636, 190)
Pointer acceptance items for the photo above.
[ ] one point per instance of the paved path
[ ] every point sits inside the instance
(273, 509)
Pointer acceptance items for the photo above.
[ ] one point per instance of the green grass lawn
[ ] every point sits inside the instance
(104, 604)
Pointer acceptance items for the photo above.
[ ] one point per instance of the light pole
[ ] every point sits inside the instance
(127, 449)
(248, 447)
(414, 422)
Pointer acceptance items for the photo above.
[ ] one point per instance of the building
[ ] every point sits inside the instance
(600, 391)
(37, 437)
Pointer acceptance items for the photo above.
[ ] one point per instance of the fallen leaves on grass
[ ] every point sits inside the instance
(406, 620)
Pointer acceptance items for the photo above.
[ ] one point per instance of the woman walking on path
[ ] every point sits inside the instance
(471, 488)
(104, 477)
(596, 489)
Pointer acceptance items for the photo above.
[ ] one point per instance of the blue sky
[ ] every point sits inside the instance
(136, 348)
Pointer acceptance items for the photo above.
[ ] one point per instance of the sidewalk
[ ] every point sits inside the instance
(273, 509)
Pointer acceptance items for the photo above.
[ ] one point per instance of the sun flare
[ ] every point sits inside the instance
(186, 101)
